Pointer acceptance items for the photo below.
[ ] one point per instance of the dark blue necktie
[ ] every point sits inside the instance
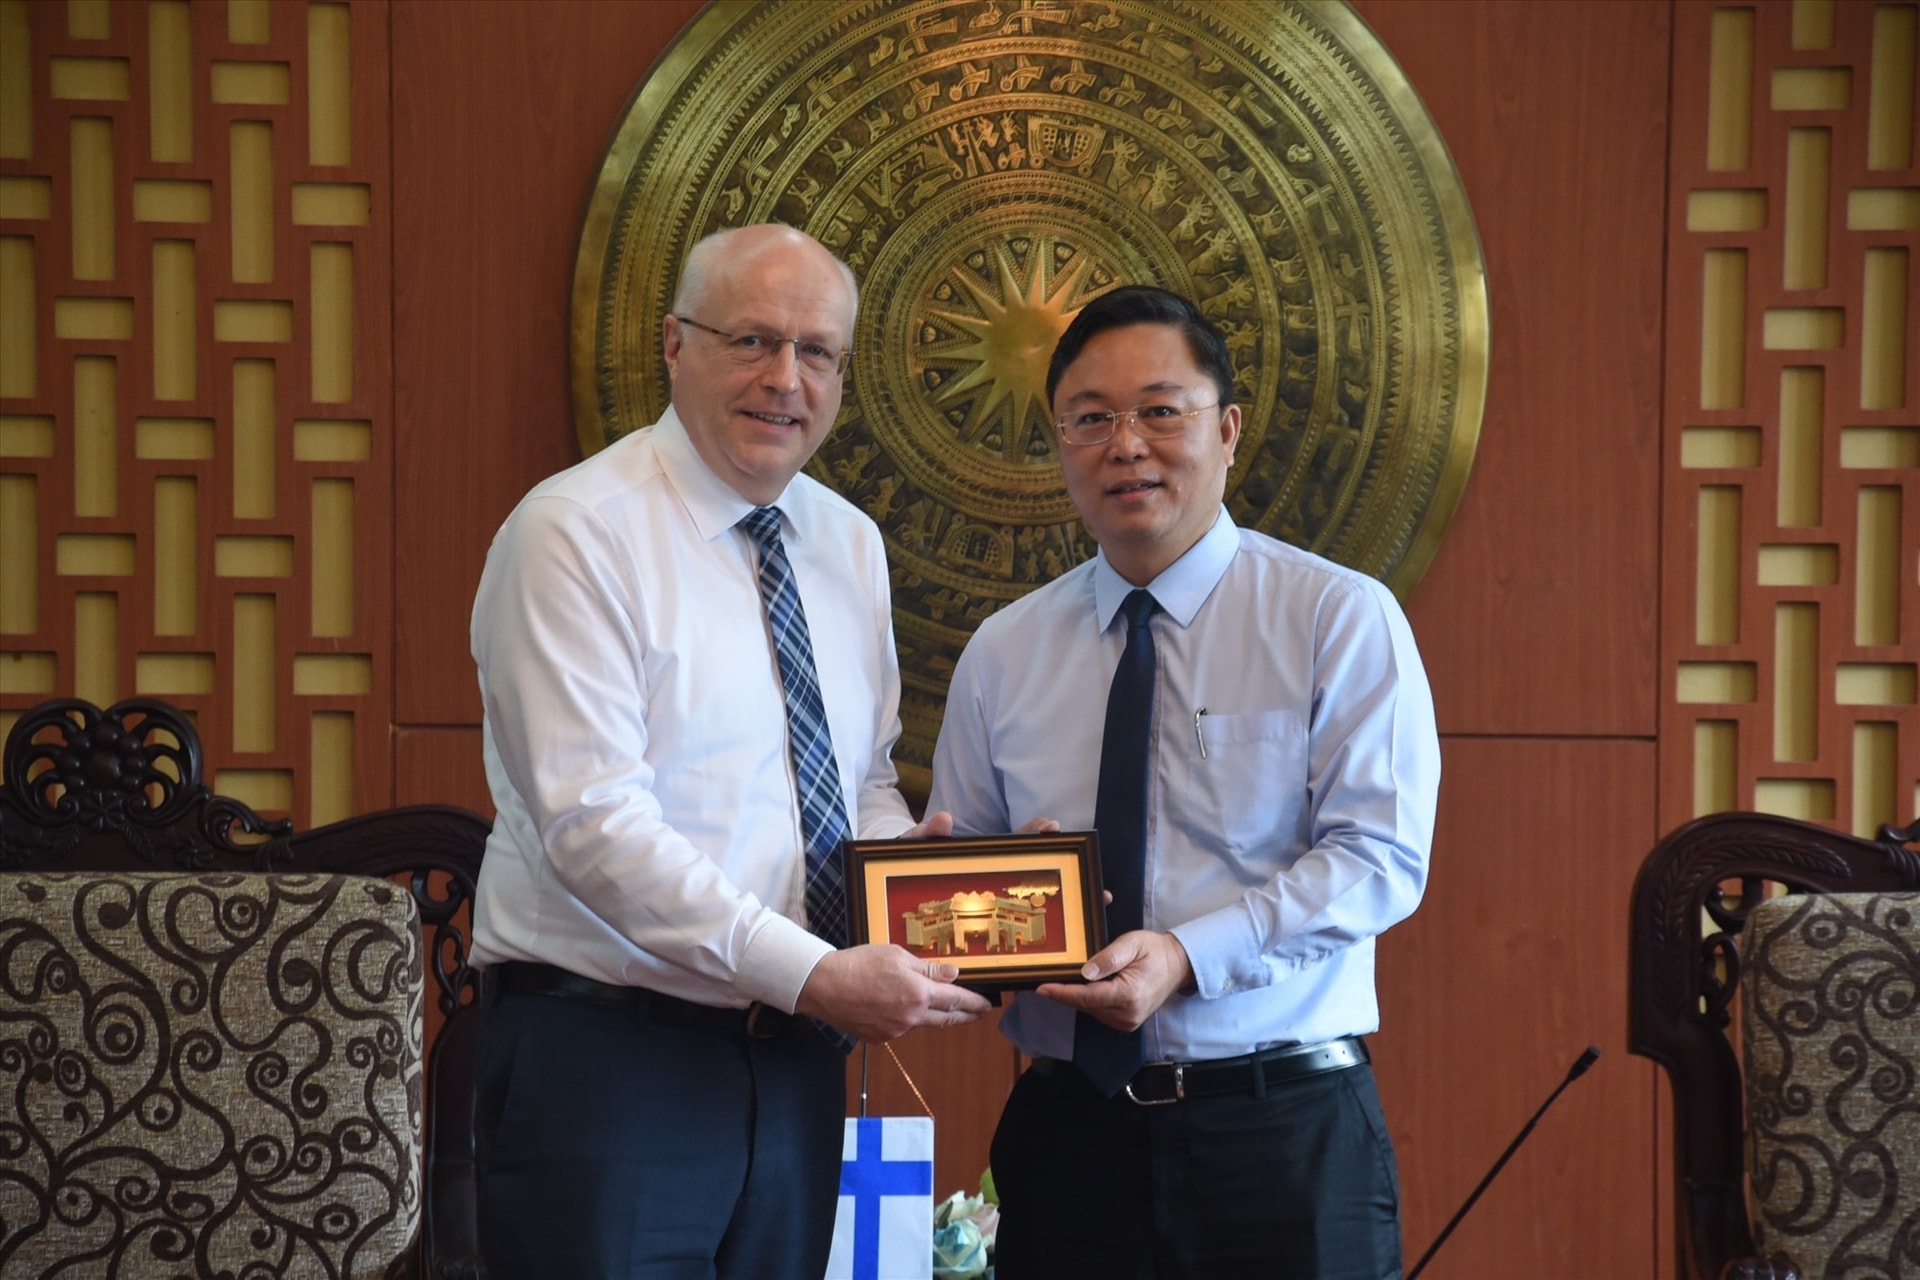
(823, 817)
(1106, 1056)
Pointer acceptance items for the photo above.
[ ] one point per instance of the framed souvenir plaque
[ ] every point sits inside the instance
(1011, 911)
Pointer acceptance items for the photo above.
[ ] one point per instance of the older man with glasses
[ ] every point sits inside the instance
(686, 661)
(1249, 728)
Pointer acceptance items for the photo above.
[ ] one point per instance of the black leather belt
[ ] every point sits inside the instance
(1159, 1083)
(525, 978)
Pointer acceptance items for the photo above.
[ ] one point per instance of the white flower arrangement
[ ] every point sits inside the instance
(963, 1230)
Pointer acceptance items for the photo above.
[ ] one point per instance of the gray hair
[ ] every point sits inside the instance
(698, 266)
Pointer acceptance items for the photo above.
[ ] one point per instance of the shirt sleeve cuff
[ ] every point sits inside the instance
(889, 826)
(1224, 954)
(779, 961)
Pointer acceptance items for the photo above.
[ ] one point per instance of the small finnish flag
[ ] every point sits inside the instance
(884, 1229)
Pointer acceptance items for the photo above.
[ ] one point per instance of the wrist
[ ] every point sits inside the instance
(1187, 983)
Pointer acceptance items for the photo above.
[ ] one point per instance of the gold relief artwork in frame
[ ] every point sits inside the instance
(988, 166)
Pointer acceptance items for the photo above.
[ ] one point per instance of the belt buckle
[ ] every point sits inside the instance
(757, 1032)
(1179, 1086)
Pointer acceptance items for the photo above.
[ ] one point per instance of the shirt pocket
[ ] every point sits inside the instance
(1253, 778)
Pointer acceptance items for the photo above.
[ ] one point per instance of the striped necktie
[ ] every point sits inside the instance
(823, 817)
(1106, 1056)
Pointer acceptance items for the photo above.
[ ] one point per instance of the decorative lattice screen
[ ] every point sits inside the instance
(195, 485)
(1791, 601)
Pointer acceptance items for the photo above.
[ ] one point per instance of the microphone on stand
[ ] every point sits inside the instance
(1579, 1068)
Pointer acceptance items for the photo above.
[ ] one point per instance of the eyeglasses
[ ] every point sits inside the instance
(1154, 421)
(759, 348)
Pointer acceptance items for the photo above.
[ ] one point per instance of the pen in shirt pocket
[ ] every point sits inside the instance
(1198, 736)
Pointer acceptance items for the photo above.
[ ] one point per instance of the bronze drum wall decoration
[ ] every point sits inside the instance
(986, 167)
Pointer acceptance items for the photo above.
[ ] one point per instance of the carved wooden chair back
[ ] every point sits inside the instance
(1697, 932)
(211, 1025)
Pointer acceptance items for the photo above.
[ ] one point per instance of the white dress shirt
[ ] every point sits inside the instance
(635, 736)
(1294, 771)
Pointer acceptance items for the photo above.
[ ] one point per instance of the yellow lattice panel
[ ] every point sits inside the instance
(195, 488)
(1792, 491)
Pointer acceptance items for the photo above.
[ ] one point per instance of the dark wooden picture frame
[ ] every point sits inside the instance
(1011, 911)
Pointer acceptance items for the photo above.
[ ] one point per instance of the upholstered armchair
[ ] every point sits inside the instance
(211, 1026)
(1797, 1153)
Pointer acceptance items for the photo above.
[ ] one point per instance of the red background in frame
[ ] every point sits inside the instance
(906, 893)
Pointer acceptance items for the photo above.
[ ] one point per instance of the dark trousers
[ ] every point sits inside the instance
(611, 1146)
(1300, 1185)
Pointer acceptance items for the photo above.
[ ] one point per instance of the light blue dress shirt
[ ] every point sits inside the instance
(1295, 768)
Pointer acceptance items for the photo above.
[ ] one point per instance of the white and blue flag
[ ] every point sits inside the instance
(884, 1229)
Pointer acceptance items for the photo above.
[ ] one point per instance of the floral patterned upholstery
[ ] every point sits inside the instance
(1831, 1030)
(208, 1074)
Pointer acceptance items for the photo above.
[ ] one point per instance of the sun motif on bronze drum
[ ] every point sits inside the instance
(986, 167)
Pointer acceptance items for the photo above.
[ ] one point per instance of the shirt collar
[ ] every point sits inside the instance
(714, 505)
(1182, 586)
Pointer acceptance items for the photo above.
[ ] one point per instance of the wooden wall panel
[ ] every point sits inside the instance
(500, 114)
(1514, 963)
(441, 766)
(1538, 615)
